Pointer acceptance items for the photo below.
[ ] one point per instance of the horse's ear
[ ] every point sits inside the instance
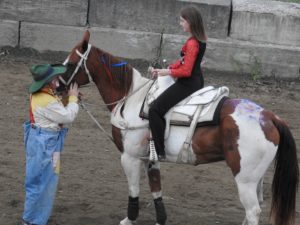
(86, 36)
(84, 46)
(85, 40)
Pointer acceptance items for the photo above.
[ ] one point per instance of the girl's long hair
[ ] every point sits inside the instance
(193, 16)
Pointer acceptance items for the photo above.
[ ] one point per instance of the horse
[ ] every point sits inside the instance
(248, 137)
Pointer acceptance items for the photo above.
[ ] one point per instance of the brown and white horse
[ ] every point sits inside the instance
(248, 137)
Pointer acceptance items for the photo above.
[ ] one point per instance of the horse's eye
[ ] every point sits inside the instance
(70, 69)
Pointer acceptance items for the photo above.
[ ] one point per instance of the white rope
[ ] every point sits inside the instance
(94, 119)
(122, 99)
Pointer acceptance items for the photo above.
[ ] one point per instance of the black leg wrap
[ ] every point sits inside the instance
(161, 215)
(133, 208)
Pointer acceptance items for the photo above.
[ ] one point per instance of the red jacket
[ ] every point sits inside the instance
(183, 67)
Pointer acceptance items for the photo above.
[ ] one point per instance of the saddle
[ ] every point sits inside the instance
(206, 102)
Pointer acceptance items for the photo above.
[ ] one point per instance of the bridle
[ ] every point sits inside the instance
(82, 62)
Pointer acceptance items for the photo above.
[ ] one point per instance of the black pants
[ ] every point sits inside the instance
(169, 98)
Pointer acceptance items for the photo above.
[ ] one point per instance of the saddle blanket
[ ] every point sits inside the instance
(210, 99)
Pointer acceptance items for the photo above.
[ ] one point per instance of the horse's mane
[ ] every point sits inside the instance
(118, 71)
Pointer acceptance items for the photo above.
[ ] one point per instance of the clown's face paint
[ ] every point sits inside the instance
(54, 83)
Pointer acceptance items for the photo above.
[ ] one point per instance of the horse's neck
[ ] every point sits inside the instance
(128, 116)
(118, 80)
(138, 82)
(113, 94)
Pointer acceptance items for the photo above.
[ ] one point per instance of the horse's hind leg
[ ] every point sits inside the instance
(251, 200)
(260, 190)
(248, 197)
(132, 169)
(153, 171)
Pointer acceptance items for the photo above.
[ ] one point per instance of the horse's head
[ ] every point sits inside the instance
(77, 70)
(85, 63)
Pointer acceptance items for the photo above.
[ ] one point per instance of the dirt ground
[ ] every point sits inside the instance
(93, 188)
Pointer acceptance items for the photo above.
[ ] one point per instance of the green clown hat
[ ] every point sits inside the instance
(44, 73)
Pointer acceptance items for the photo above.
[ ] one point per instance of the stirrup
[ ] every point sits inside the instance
(153, 155)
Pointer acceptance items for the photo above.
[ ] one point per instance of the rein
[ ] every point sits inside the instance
(83, 106)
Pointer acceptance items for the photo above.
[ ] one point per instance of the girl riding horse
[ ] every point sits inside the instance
(188, 72)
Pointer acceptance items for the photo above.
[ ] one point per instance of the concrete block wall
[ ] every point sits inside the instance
(268, 60)
(67, 12)
(243, 35)
(266, 21)
(158, 15)
(9, 32)
(122, 43)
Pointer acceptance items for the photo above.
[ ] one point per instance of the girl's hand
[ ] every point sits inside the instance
(153, 71)
(160, 72)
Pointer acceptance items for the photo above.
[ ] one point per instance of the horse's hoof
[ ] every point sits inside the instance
(126, 221)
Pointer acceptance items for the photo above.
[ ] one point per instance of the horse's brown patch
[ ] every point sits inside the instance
(206, 145)
(154, 179)
(117, 136)
(215, 143)
(270, 131)
(230, 135)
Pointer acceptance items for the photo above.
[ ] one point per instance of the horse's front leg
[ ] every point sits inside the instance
(153, 171)
(132, 169)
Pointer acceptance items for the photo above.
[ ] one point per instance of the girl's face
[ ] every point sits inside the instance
(185, 25)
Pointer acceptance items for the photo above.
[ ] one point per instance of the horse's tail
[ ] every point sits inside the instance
(286, 177)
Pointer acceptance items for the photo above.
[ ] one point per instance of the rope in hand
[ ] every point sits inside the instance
(95, 120)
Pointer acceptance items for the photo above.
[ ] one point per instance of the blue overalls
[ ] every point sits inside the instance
(41, 179)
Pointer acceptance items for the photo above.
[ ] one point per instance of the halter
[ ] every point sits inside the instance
(83, 59)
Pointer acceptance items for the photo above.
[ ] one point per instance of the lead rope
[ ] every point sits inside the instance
(83, 106)
(95, 120)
